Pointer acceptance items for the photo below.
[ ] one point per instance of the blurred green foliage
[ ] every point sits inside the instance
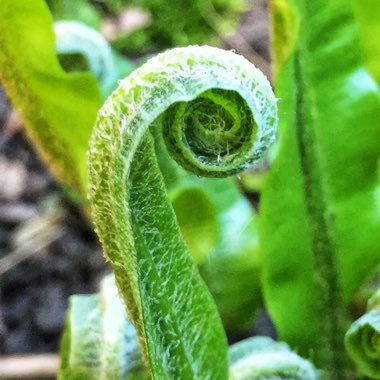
(58, 108)
(172, 23)
(320, 214)
(78, 10)
(178, 23)
(204, 208)
(367, 15)
(98, 341)
(81, 48)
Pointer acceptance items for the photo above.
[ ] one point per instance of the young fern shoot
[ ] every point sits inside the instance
(73, 37)
(362, 339)
(100, 343)
(82, 48)
(218, 115)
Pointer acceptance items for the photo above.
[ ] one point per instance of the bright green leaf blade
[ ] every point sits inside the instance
(232, 270)
(320, 207)
(368, 19)
(196, 216)
(59, 109)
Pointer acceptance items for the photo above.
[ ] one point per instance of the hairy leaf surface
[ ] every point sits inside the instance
(217, 114)
(221, 231)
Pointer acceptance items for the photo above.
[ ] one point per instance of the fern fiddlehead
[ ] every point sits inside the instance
(218, 115)
(362, 339)
(261, 358)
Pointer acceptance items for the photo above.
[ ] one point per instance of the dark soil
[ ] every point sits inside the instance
(47, 249)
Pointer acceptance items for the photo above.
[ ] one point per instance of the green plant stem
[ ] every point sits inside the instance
(328, 301)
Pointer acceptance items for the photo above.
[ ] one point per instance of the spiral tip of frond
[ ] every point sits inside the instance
(225, 114)
(362, 343)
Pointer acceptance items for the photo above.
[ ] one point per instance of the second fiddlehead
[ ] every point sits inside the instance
(362, 339)
(218, 115)
(73, 37)
(81, 48)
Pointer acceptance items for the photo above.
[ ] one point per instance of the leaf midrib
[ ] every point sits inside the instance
(323, 246)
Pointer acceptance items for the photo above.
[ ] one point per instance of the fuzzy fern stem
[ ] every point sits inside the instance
(218, 115)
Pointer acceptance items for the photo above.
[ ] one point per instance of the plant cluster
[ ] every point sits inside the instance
(307, 256)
